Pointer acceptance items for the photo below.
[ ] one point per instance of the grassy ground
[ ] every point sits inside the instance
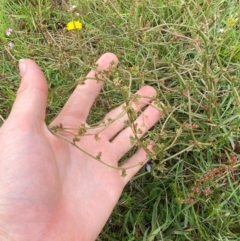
(190, 52)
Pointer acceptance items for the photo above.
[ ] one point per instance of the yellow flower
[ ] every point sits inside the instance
(231, 21)
(74, 25)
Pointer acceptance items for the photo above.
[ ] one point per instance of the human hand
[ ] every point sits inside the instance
(49, 189)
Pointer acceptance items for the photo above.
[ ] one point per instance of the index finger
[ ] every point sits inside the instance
(77, 108)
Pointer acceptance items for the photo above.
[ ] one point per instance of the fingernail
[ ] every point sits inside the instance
(22, 66)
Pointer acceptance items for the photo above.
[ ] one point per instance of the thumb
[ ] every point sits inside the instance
(31, 100)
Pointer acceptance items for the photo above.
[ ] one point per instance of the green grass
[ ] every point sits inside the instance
(176, 47)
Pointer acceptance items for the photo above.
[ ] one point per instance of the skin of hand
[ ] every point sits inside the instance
(49, 189)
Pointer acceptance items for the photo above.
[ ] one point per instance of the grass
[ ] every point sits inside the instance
(175, 46)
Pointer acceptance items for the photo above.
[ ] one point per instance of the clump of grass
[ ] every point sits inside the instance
(188, 51)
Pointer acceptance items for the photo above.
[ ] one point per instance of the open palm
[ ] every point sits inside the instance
(49, 189)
